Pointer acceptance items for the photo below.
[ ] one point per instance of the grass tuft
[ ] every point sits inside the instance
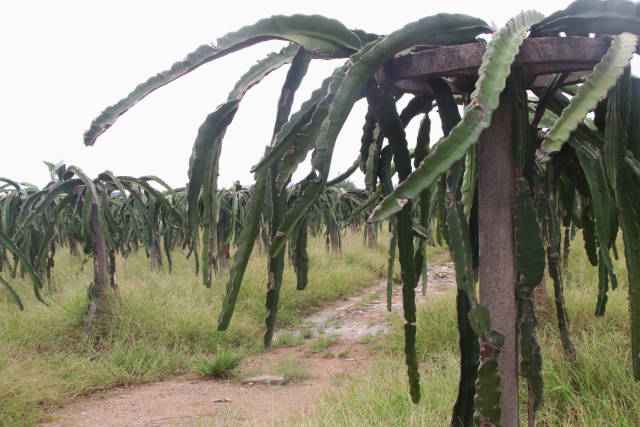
(222, 364)
(322, 344)
(290, 339)
(291, 370)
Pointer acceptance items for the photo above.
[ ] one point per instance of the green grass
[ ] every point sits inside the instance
(322, 344)
(162, 326)
(290, 339)
(291, 370)
(597, 390)
(222, 364)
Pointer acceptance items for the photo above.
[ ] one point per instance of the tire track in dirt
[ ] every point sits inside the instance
(192, 400)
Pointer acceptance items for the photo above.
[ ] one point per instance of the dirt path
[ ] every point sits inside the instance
(194, 401)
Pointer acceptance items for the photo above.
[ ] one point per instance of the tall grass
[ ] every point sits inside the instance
(162, 325)
(597, 390)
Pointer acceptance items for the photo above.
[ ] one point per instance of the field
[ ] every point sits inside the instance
(164, 325)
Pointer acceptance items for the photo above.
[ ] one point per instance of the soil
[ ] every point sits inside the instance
(190, 401)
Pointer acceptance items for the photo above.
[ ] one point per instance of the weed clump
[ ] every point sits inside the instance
(221, 366)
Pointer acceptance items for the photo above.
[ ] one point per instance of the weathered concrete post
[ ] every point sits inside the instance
(497, 273)
(99, 289)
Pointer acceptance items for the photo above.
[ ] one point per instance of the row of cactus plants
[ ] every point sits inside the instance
(569, 169)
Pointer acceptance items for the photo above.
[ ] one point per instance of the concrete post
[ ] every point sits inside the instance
(497, 274)
(99, 289)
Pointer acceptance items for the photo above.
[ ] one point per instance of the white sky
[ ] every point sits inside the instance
(64, 61)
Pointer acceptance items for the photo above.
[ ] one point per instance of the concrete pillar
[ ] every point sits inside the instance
(99, 289)
(497, 274)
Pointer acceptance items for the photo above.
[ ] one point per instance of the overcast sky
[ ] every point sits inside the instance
(65, 61)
